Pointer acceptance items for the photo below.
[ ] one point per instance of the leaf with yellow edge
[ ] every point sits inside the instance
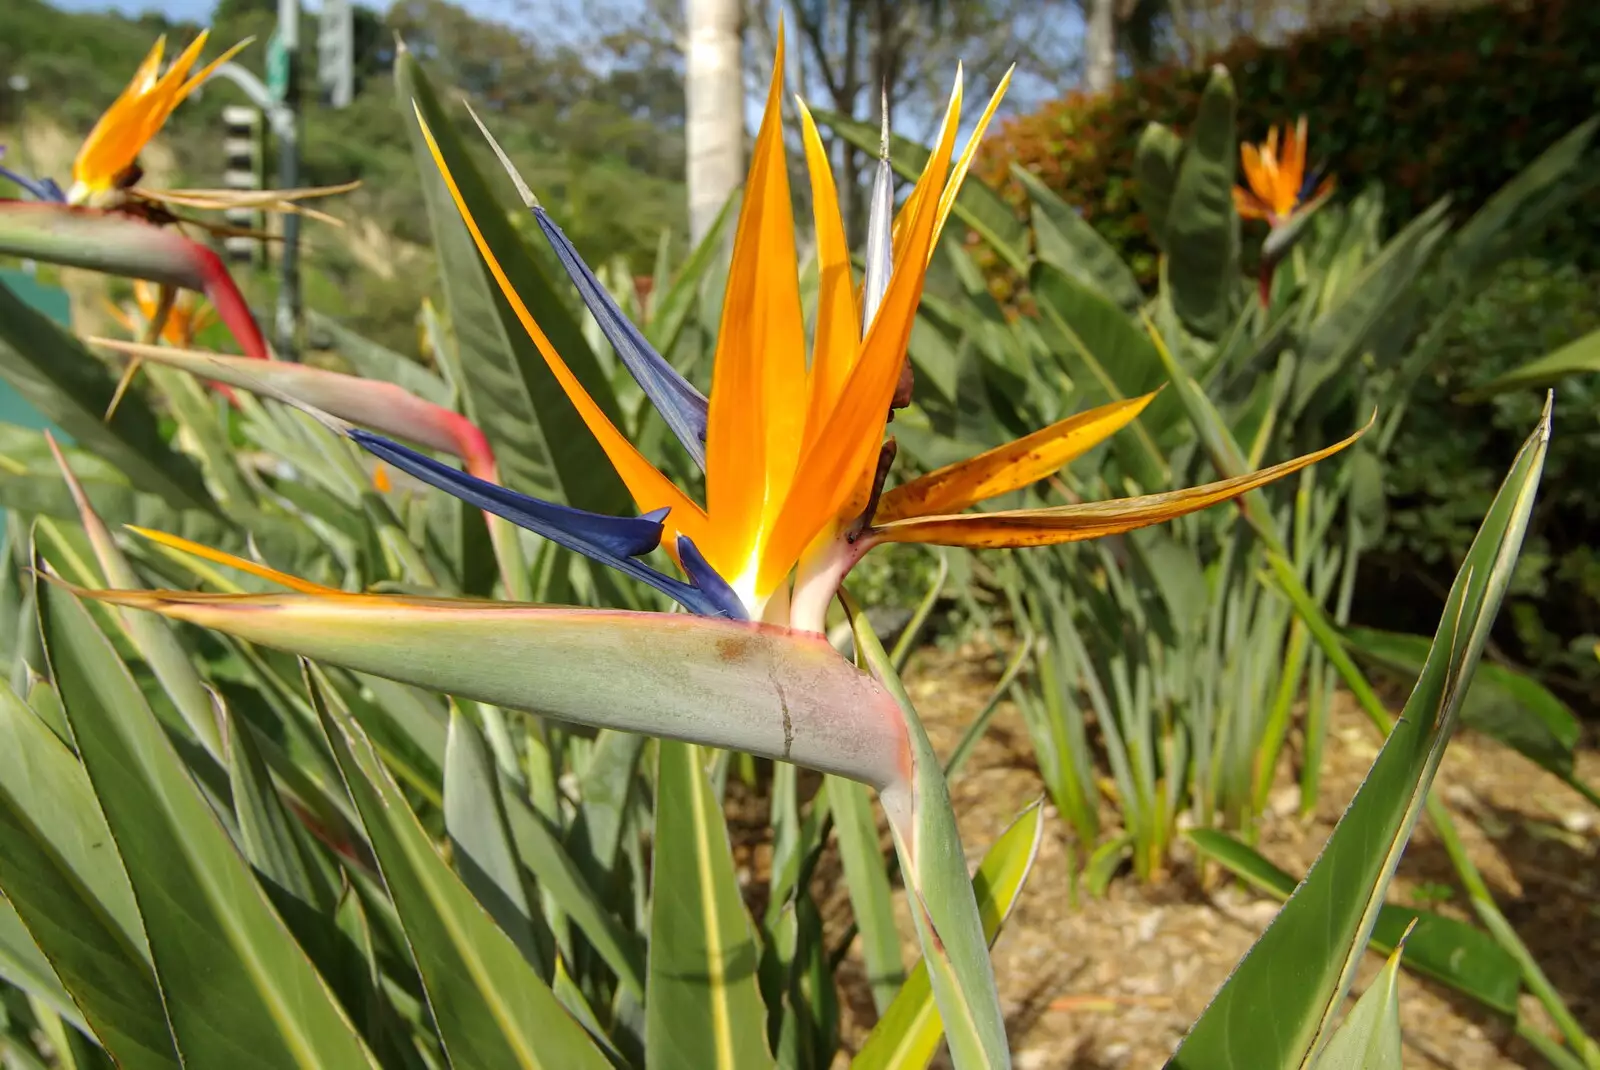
(1089, 520)
(1011, 466)
(908, 1034)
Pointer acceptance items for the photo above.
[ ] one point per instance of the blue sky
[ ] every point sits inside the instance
(198, 10)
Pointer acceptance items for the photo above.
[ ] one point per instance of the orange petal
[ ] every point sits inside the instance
(271, 575)
(847, 449)
(1248, 205)
(756, 420)
(921, 190)
(837, 337)
(1294, 160)
(650, 489)
(1091, 520)
(1009, 467)
(958, 174)
(1255, 176)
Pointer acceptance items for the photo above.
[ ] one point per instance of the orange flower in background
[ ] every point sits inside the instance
(1278, 185)
(104, 164)
(189, 314)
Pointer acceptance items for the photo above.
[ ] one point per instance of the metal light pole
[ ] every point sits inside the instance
(288, 315)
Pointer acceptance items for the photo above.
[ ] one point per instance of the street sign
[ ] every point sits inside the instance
(277, 68)
(336, 53)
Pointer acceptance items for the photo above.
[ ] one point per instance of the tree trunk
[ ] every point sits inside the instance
(1099, 45)
(714, 91)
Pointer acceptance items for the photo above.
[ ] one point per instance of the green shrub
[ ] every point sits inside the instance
(1442, 468)
(1404, 102)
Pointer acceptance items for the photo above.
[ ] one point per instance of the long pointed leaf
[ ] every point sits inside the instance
(63, 876)
(702, 1006)
(908, 1034)
(491, 1008)
(237, 987)
(1322, 931)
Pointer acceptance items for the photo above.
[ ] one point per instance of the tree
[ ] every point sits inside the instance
(714, 104)
(1099, 45)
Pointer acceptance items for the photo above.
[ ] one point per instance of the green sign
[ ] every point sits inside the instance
(53, 302)
(277, 68)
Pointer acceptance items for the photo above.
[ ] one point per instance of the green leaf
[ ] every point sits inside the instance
(370, 360)
(22, 964)
(541, 851)
(1155, 170)
(702, 1006)
(491, 1009)
(1296, 975)
(72, 389)
(1511, 707)
(978, 206)
(670, 310)
(69, 889)
(1068, 242)
(1343, 333)
(868, 883)
(1449, 951)
(238, 990)
(1202, 228)
(154, 639)
(1579, 357)
(908, 1033)
(1369, 1038)
(481, 844)
(509, 391)
(1109, 355)
(934, 866)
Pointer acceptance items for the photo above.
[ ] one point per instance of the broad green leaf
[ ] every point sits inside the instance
(64, 879)
(1513, 708)
(934, 867)
(481, 844)
(238, 990)
(1449, 951)
(1579, 357)
(509, 390)
(1067, 241)
(868, 884)
(1201, 229)
(56, 375)
(978, 206)
(1369, 1037)
(1155, 172)
(604, 787)
(702, 1006)
(1295, 977)
(491, 1009)
(908, 1033)
(370, 360)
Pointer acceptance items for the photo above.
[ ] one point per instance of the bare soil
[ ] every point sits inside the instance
(1114, 981)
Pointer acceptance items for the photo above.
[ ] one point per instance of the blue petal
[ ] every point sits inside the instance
(611, 540)
(43, 189)
(680, 404)
(1313, 180)
(709, 580)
